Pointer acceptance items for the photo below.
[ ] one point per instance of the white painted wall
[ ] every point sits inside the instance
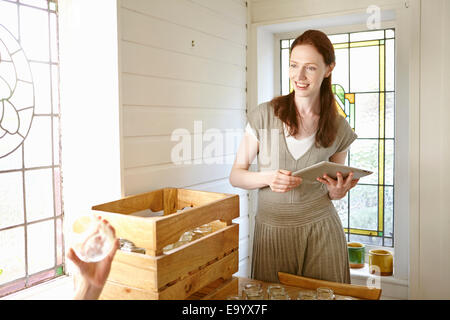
(183, 61)
(433, 229)
(89, 97)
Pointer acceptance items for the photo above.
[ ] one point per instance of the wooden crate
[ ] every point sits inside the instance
(185, 270)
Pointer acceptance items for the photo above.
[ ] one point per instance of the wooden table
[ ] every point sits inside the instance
(235, 287)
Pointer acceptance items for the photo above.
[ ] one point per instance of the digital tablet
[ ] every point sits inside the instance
(330, 168)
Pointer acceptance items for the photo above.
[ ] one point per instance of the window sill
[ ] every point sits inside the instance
(60, 288)
(392, 288)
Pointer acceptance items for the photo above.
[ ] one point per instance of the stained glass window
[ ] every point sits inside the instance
(31, 243)
(363, 84)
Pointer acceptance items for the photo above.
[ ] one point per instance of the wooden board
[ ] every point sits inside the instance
(154, 233)
(154, 273)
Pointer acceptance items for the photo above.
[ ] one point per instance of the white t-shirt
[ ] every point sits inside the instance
(297, 147)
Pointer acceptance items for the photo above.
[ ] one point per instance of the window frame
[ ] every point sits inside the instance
(57, 217)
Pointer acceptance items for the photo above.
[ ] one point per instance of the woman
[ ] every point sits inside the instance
(297, 228)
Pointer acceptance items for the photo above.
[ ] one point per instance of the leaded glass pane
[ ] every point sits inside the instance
(39, 194)
(390, 33)
(41, 246)
(340, 73)
(389, 127)
(364, 154)
(34, 33)
(366, 115)
(390, 65)
(338, 38)
(12, 162)
(364, 207)
(11, 200)
(364, 69)
(8, 17)
(38, 145)
(369, 240)
(285, 71)
(389, 162)
(389, 211)
(12, 255)
(367, 35)
(41, 76)
(342, 210)
(36, 3)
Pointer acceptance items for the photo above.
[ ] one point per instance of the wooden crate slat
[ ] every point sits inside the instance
(170, 228)
(198, 253)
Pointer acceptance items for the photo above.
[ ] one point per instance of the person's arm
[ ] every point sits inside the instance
(241, 177)
(91, 279)
(338, 188)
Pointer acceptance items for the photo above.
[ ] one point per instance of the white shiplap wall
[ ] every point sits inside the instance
(182, 61)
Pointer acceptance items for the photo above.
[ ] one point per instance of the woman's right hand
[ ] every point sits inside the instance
(283, 181)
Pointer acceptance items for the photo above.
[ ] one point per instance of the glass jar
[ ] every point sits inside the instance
(253, 291)
(324, 293)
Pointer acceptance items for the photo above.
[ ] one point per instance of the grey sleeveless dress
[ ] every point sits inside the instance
(299, 231)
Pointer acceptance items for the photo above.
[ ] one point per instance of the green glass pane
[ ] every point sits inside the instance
(39, 194)
(364, 154)
(367, 35)
(11, 199)
(38, 144)
(12, 260)
(60, 271)
(41, 246)
(34, 33)
(390, 65)
(389, 162)
(389, 211)
(364, 207)
(364, 69)
(42, 87)
(340, 72)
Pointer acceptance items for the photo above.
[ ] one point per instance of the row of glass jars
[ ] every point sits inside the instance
(254, 291)
(189, 236)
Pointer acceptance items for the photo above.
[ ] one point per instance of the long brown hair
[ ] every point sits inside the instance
(284, 106)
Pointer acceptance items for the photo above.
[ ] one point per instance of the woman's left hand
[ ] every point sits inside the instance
(338, 188)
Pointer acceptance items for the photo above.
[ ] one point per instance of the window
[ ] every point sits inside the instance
(363, 84)
(31, 243)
